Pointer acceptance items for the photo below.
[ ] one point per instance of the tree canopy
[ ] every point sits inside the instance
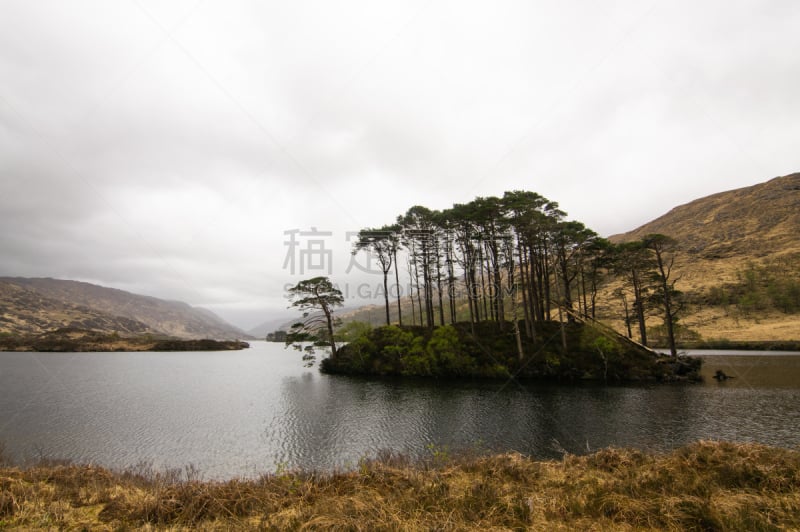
(316, 298)
(517, 256)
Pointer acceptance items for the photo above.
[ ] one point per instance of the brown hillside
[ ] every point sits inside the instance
(37, 305)
(24, 311)
(750, 222)
(720, 236)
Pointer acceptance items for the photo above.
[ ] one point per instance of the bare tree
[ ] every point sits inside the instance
(663, 247)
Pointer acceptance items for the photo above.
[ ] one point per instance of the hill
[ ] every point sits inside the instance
(761, 221)
(738, 262)
(37, 305)
(738, 258)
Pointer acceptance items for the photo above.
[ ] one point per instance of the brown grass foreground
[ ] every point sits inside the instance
(703, 486)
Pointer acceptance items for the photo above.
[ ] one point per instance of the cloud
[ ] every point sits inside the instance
(165, 148)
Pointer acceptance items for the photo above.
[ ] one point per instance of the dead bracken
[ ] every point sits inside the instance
(702, 486)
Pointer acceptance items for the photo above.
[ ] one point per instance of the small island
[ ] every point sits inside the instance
(69, 339)
(506, 287)
(577, 349)
(454, 351)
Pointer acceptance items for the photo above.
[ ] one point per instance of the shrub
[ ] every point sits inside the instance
(446, 349)
(772, 285)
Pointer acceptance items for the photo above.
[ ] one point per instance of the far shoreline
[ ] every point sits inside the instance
(71, 340)
(742, 345)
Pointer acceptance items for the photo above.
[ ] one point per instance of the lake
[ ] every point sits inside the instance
(243, 413)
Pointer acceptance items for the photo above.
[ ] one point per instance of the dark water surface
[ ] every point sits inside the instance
(243, 413)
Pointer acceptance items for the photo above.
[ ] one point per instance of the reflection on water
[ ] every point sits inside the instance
(244, 413)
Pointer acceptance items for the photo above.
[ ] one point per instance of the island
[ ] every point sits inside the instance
(67, 339)
(576, 352)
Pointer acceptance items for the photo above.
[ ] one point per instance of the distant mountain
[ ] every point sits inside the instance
(36, 305)
(285, 323)
(281, 324)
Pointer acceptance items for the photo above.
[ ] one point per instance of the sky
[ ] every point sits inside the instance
(216, 152)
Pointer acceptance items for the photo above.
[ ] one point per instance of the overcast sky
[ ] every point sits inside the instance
(166, 147)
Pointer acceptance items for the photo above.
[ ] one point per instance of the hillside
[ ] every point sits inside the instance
(748, 235)
(34, 306)
(747, 223)
(725, 240)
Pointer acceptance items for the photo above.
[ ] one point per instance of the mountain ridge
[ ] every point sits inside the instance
(734, 216)
(36, 305)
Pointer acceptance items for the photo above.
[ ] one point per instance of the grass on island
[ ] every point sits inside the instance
(703, 486)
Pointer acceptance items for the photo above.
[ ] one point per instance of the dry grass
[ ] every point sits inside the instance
(718, 323)
(718, 237)
(709, 321)
(704, 486)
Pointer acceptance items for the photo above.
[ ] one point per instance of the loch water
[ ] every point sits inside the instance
(244, 413)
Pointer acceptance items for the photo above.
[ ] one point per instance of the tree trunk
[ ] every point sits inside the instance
(451, 287)
(638, 306)
(386, 295)
(498, 296)
(627, 314)
(483, 283)
(329, 319)
(546, 276)
(470, 299)
(513, 294)
(397, 287)
(439, 286)
(524, 277)
(411, 291)
(668, 317)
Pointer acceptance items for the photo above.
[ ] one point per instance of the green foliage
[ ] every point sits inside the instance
(447, 352)
(606, 346)
(591, 340)
(453, 351)
(351, 330)
(719, 296)
(785, 295)
(276, 336)
(416, 365)
(657, 334)
(316, 298)
(396, 345)
(359, 350)
(440, 454)
(774, 285)
(553, 360)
